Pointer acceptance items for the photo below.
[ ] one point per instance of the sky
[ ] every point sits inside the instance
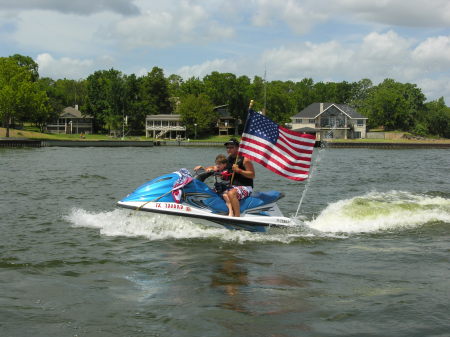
(326, 40)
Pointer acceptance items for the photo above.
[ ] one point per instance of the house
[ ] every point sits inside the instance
(226, 123)
(164, 126)
(330, 120)
(70, 121)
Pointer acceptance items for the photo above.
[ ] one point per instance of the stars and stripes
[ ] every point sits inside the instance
(185, 178)
(283, 151)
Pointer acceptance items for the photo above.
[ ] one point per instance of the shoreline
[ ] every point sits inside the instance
(27, 142)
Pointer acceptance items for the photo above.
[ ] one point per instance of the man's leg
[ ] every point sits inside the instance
(232, 195)
(227, 201)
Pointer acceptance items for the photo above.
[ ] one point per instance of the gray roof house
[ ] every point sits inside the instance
(71, 121)
(330, 120)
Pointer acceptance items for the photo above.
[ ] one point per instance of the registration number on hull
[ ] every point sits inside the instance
(172, 206)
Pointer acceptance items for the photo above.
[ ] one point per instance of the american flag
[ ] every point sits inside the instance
(285, 152)
(185, 178)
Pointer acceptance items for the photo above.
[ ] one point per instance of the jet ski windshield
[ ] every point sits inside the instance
(201, 174)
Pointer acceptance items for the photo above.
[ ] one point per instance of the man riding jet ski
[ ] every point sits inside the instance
(197, 200)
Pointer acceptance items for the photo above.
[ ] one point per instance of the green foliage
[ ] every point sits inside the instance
(394, 105)
(174, 83)
(21, 98)
(27, 63)
(192, 86)
(438, 118)
(197, 110)
(226, 88)
(105, 98)
(420, 129)
(155, 93)
(62, 93)
(280, 101)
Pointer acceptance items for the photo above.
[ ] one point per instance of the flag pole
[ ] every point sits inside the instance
(237, 154)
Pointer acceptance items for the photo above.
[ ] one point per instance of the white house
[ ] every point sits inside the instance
(164, 126)
(330, 120)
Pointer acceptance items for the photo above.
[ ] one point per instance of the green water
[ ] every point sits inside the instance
(368, 256)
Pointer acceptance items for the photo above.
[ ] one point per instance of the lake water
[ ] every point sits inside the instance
(369, 254)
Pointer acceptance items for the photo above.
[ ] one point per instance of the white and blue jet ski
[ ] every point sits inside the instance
(259, 211)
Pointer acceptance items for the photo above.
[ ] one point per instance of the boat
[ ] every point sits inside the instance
(259, 211)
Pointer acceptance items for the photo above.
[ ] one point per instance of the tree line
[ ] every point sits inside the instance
(111, 96)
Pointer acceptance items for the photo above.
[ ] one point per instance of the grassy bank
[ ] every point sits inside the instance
(392, 141)
(42, 136)
(13, 133)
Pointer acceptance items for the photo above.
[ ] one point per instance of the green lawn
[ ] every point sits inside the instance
(31, 133)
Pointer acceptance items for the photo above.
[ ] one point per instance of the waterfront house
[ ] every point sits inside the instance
(71, 121)
(164, 126)
(330, 120)
(226, 124)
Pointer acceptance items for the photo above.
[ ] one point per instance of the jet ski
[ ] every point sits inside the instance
(259, 211)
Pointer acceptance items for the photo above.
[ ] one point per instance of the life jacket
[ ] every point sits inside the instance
(239, 179)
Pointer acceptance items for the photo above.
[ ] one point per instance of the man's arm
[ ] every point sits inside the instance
(209, 168)
(249, 171)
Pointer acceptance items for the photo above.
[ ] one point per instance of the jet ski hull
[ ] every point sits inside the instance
(248, 222)
(259, 211)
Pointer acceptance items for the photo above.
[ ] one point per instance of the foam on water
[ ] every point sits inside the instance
(373, 212)
(377, 211)
(121, 222)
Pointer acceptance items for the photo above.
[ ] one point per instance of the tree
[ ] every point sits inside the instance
(192, 86)
(133, 107)
(438, 118)
(394, 105)
(304, 94)
(20, 97)
(256, 92)
(197, 110)
(106, 98)
(281, 103)
(225, 88)
(360, 91)
(27, 63)
(154, 93)
(175, 82)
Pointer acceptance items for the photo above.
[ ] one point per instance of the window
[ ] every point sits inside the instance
(360, 122)
(332, 118)
(311, 121)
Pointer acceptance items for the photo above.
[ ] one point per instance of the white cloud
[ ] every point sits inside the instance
(161, 29)
(205, 68)
(59, 33)
(435, 88)
(66, 67)
(302, 15)
(384, 46)
(307, 60)
(433, 53)
(299, 16)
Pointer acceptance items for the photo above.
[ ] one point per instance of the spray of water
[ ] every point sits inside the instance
(370, 213)
(377, 211)
(125, 223)
(323, 146)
